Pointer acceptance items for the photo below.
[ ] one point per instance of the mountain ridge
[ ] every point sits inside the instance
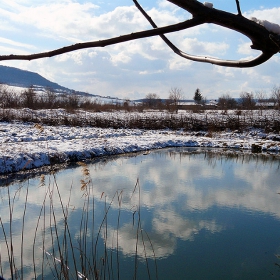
(13, 76)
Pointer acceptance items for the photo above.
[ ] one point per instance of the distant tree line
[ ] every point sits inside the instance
(245, 101)
(49, 99)
(210, 121)
(250, 100)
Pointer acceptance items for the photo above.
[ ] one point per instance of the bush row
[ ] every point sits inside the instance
(186, 121)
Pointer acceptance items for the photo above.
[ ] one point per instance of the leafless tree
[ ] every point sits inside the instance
(8, 97)
(175, 96)
(152, 100)
(261, 100)
(267, 42)
(226, 102)
(275, 96)
(51, 97)
(247, 100)
(29, 98)
(73, 100)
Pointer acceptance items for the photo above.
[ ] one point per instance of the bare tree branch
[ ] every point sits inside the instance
(107, 42)
(229, 63)
(263, 40)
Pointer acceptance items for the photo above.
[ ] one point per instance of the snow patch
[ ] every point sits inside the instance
(270, 26)
(27, 146)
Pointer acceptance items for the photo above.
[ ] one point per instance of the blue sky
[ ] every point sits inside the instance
(134, 69)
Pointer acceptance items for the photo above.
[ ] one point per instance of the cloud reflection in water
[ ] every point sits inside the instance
(178, 191)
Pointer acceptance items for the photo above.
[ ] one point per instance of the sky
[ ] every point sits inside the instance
(134, 69)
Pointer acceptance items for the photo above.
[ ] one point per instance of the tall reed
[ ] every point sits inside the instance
(61, 249)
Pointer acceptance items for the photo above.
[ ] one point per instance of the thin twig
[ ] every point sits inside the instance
(238, 8)
(22, 232)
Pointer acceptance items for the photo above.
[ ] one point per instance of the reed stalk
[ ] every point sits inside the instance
(90, 254)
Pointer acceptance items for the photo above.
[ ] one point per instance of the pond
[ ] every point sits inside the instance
(176, 213)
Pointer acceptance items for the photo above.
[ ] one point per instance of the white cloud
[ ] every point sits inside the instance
(150, 72)
(168, 5)
(134, 68)
(226, 72)
(121, 57)
(164, 17)
(245, 48)
(157, 44)
(265, 14)
(52, 19)
(170, 223)
(194, 46)
(127, 238)
(179, 63)
(15, 43)
(11, 50)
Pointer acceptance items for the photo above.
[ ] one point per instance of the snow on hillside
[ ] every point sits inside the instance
(41, 90)
(22, 78)
(18, 80)
(27, 146)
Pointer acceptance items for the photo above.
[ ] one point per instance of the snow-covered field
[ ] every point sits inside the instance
(27, 146)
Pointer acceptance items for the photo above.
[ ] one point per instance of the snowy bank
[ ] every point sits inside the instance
(28, 146)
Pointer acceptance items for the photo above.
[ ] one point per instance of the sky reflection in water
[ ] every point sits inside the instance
(208, 216)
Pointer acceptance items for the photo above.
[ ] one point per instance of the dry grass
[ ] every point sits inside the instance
(208, 121)
(86, 254)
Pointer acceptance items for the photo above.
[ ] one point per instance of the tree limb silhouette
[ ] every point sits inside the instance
(229, 63)
(263, 40)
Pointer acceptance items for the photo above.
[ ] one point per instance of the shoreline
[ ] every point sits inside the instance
(27, 147)
(9, 178)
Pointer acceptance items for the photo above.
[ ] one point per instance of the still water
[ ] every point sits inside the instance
(169, 214)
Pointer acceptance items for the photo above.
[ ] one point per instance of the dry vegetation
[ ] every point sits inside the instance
(153, 113)
(60, 247)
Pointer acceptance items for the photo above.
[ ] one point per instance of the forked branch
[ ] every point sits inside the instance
(107, 42)
(229, 63)
(263, 40)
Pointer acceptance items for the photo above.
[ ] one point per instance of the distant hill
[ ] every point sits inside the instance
(24, 79)
(16, 77)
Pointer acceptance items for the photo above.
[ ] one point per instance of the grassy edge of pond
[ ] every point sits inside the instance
(98, 263)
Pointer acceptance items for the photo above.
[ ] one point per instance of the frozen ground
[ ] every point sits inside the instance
(26, 146)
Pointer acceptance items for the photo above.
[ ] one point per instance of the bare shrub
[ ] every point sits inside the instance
(8, 98)
(29, 98)
(261, 100)
(247, 101)
(226, 102)
(175, 96)
(275, 96)
(152, 100)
